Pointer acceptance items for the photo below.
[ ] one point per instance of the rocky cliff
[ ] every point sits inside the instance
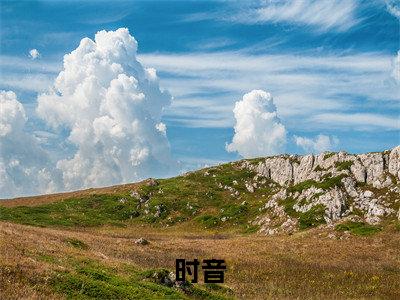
(360, 188)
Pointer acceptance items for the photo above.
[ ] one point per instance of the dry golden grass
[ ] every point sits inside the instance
(304, 265)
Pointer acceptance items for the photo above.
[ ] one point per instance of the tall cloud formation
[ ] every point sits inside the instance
(24, 166)
(258, 130)
(111, 106)
(320, 144)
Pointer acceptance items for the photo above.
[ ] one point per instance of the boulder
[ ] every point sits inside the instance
(135, 194)
(151, 182)
(141, 241)
(164, 277)
(368, 194)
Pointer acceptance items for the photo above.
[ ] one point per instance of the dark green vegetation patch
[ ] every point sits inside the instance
(329, 154)
(77, 243)
(326, 183)
(358, 228)
(311, 218)
(344, 165)
(93, 280)
(92, 210)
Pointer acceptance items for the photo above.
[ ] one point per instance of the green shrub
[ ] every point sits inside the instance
(77, 243)
(308, 219)
(302, 186)
(234, 211)
(358, 228)
(288, 204)
(318, 169)
(208, 221)
(326, 184)
(313, 217)
(329, 154)
(344, 165)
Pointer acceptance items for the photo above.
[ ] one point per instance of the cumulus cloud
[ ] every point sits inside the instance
(111, 106)
(258, 130)
(317, 145)
(34, 54)
(24, 166)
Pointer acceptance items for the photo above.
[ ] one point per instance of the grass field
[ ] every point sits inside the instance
(53, 263)
(81, 245)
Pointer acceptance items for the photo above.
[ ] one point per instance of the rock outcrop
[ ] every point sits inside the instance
(370, 168)
(365, 186)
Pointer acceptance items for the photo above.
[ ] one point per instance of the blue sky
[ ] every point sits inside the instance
(329, 65)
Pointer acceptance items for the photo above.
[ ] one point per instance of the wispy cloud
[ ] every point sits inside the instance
(25, 74)
(357, 121)
(27, 82)
(321, 15)
(106, 18)
(25, 64)
(212, 44)
(302, 85)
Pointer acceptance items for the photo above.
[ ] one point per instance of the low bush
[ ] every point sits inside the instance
(358, 228)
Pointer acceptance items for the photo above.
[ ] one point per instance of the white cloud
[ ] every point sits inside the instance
(321, 15)
(27, 82)
(161, 127)
(24, 166)
(320, 144)
(12, 115)
(258, 130)
(112, 107)
(212, 44)
(302, 85)
(34, 54)
(25, 64)
(356, 121)
(393, 6)
(396, 67)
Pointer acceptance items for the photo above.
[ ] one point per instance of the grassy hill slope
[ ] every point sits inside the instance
(81, 244)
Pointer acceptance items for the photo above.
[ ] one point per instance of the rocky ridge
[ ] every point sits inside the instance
(342, 186)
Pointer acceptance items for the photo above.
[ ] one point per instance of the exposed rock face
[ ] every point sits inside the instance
(370, 168)
(335, 202)
(394, 162)
(363, 186)
(279, 169)
(300, 171)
